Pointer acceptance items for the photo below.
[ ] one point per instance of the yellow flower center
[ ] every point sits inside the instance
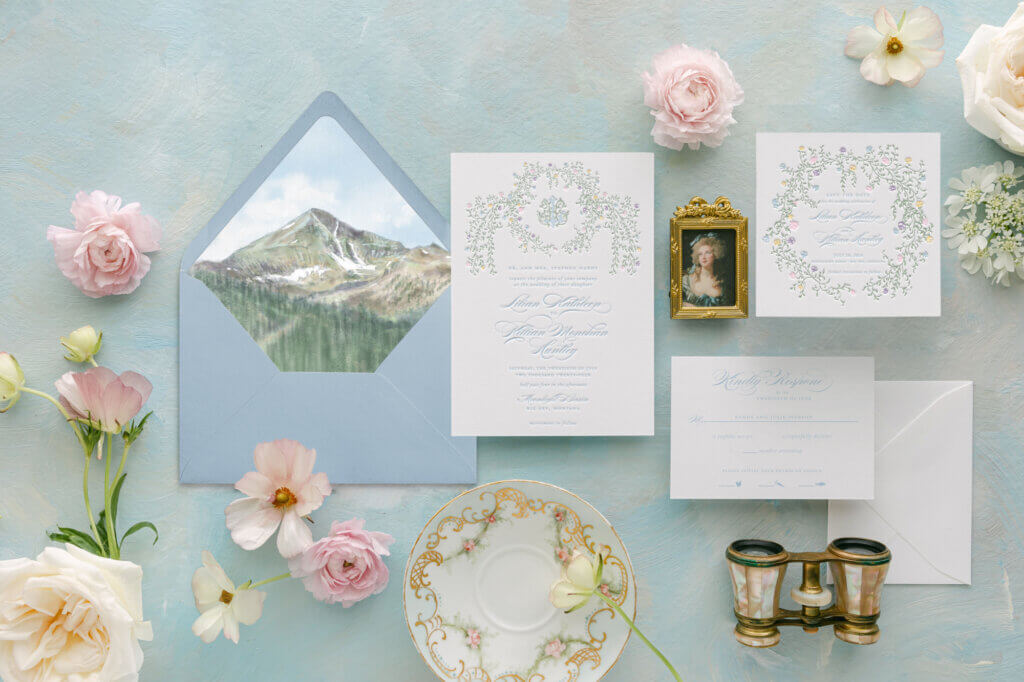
(226, 596)
(894, 46)
(284, 498)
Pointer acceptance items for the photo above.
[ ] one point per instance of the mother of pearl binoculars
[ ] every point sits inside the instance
(858, 568)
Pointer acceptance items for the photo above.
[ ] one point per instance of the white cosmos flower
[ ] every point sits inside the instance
(972, 185)
(281, 491)
(894, 51)
(965, 234)
(221, 605)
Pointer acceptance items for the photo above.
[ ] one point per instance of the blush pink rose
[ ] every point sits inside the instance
(692, 94)
(346, 565)
(105, 253)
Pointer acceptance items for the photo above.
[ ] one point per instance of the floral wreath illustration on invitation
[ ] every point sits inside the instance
(569, 534)
(597, 210)
(881, 167)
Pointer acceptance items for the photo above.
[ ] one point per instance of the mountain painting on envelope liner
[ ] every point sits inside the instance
(319, 295)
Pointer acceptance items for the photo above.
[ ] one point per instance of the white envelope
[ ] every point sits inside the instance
(923, 474)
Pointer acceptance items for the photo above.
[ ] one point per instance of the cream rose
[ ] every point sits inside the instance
(70, 615)
(992, 73)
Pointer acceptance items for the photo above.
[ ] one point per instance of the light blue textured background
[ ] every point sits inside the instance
(174, 104)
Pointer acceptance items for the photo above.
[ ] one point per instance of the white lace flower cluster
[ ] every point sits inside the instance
(986, 221)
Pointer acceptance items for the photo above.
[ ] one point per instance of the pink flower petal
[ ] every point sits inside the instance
(255, 484)
(861, 41)
(138, 382)
(271, 462)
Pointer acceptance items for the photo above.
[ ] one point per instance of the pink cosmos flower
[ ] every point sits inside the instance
(692, 94)
(104, 254)
(555, 648)
(346, 565)
(473, 638)
(103, 399)
(281, 491)
(469, 545)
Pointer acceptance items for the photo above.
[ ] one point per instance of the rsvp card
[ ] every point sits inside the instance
(772, 428)
(552, 294)
(848, 225)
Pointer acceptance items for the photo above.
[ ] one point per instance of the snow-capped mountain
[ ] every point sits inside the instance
(322, 259)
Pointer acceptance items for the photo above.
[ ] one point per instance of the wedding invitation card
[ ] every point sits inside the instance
(922, 505)
(772, 428)
(552, 294)
(848, 225)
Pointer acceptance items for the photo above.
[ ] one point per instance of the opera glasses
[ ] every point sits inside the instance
(858, 570)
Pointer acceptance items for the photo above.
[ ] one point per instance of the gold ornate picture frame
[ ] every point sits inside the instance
(708, 260)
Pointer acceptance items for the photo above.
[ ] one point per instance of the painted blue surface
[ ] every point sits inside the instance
(174, 104)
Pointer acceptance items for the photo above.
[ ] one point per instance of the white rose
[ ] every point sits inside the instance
(70, 615)
(992, 73)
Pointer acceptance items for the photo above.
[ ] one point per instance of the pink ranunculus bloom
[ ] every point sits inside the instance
(105, 253)
(346, 565)
(103, 399)
(555, 648)
(692, 94)
(281, 491)
(473, 638)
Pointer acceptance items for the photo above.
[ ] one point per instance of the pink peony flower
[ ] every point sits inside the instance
(103, 399)
(555, 648)
(104, 254)
(281, 491)
(473, 638)
(346, 565)
(691, 94)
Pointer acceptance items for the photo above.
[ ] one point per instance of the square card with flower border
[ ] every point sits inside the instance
(848, 225)
(315, 305)
(553, 294)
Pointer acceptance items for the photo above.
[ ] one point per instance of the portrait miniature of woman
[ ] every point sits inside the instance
(710, 280)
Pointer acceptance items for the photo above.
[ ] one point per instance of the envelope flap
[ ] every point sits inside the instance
(923, 468)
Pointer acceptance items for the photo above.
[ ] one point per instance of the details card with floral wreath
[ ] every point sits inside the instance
(552, 294)
(847, 225)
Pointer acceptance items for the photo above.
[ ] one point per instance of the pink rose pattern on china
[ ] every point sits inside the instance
(692, 94)
(105, 252)
(346, 566)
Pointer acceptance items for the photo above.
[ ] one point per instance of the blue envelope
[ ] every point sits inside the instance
(297, 322)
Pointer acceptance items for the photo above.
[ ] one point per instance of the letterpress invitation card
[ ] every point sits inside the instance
(773, 428)
(848, 225)
(552, 294)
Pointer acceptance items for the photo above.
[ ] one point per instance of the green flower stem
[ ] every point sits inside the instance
(124, 458)
(112, 548)
(74, 424)
(93, 361)
(618, 609)
(85, 496)
(252, 586)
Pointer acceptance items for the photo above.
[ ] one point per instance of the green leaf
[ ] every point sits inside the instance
(139, 526)
(114, 497)
(82, 540)
(101, 527)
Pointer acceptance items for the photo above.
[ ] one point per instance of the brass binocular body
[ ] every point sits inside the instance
(757, 568)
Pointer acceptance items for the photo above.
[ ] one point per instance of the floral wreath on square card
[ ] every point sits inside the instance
(881, 167)
(598, 210)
